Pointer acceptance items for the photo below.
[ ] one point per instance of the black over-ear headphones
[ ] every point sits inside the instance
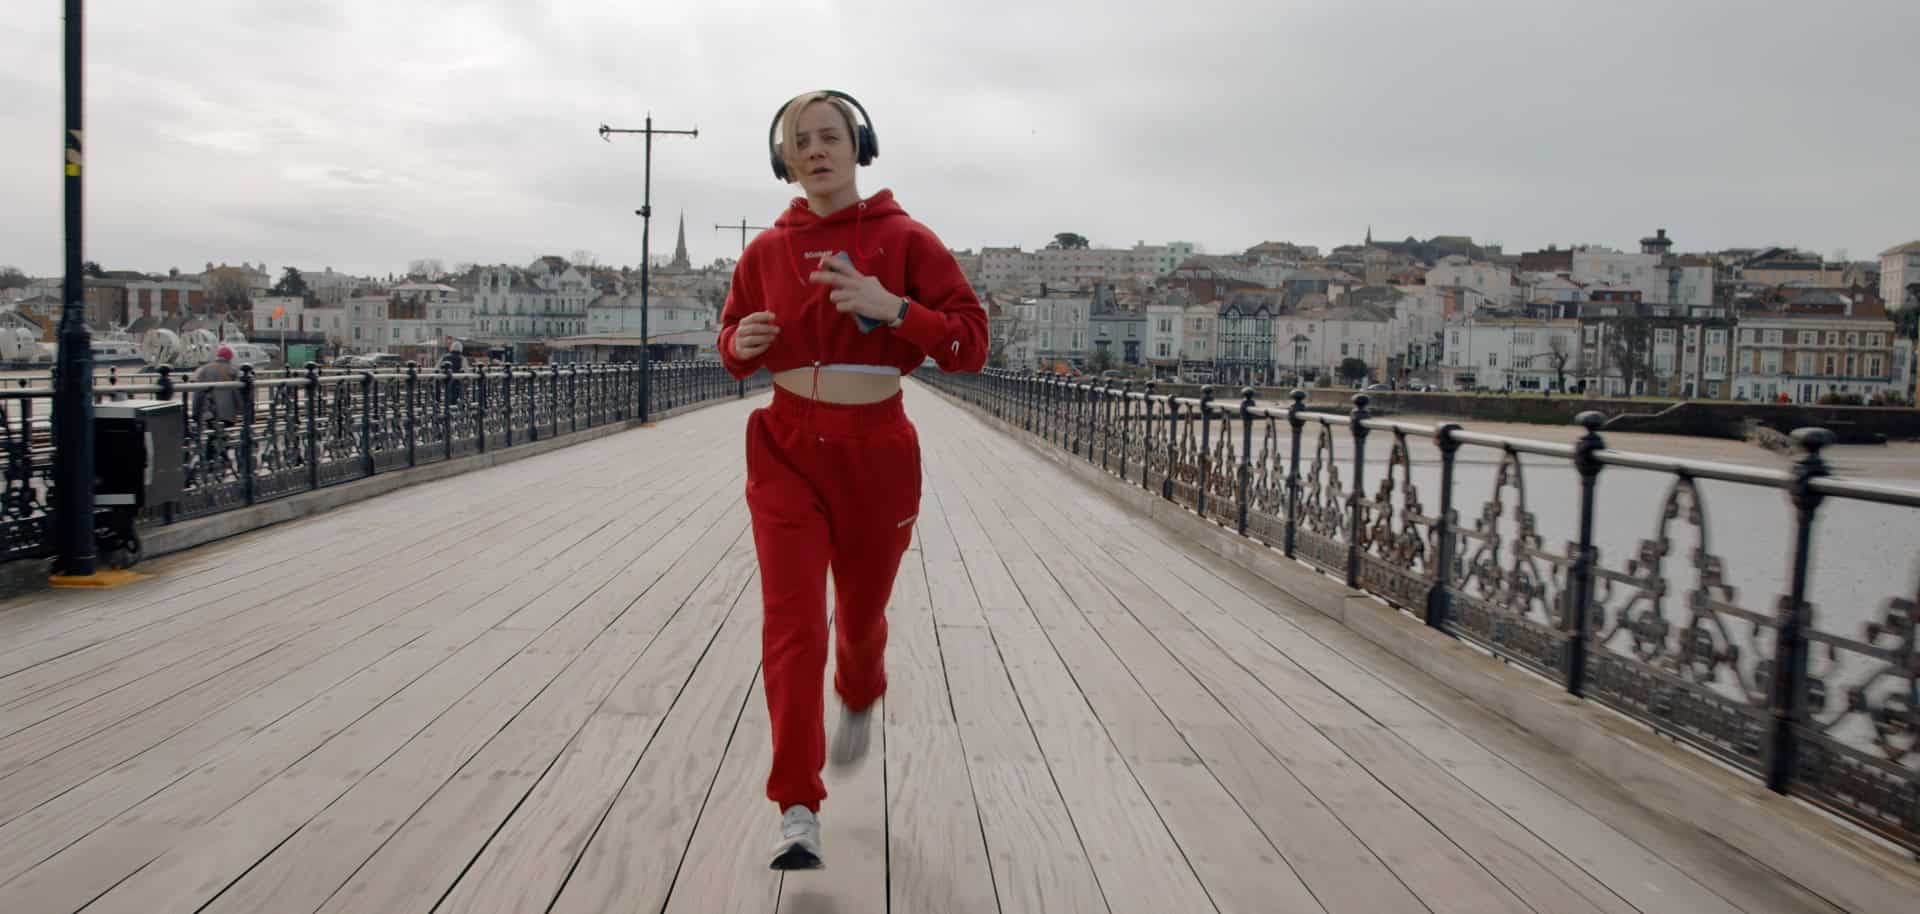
(866, 146)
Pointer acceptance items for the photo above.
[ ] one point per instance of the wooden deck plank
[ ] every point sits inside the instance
(1084, 714)
(468, 600)
(170, 648)
(936, 856)
(94, 864)
(1534, 866)
(1498, 761)
(527, 862)
(300, 875)
(629, 863)
(725, 868)
(438, 845)
(1424, 859)
(1038, 862)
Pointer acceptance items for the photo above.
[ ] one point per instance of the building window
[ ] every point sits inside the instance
(1493, 360)
(1809, 338)
(1164, 350)
(1166, 325)
(1663, 336)
(1853, 339)
(1873, 366)
(1806, 363)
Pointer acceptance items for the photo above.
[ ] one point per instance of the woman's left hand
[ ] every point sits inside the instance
(855, 293)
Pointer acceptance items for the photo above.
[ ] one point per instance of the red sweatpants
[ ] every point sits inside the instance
(829, 487)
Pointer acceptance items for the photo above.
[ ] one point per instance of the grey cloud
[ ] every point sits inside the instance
(363, 134)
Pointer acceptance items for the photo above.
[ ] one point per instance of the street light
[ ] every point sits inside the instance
(645, 212)
(73, 375)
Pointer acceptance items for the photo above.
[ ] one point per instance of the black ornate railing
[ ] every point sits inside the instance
(1658, 633)
(299, 431)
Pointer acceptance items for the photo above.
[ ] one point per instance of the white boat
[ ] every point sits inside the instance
(115, 347)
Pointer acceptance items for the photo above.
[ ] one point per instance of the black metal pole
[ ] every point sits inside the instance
(1298, 424)
(645, 212)
(1788, 698)
(1587, 461)
(1206, 450)
(1357, 498)
(1438, 598)
(1246, 453)
(73, 377)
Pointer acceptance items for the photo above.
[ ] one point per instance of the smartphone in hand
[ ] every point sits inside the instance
(863, 322)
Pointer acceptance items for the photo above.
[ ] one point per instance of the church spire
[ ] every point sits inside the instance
(1369, 236)
(680, 261)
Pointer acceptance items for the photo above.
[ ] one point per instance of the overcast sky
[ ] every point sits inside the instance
(362, 134)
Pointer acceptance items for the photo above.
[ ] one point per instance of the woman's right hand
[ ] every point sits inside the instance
(754, 335)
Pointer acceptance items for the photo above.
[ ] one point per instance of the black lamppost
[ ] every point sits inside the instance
(73, 375)
(645, 212)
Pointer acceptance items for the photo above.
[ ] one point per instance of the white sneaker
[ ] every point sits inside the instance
(850, 738)
(799, 846)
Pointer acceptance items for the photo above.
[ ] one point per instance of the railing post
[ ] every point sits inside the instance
(1246, 453)
(1206, 449)
(369, 404)
(1299, 424)
(247, 389)
(1439, 599)
(166, 394)
(1093, 412)
(573, 398)
(313, 426)
(506, 403)
(413, 391)
(446, 412)
(1788, 684)
(1356, 499)
(1146, 435)
(1173, 444)
(1586, 459)
(553, 399)
(480, 422)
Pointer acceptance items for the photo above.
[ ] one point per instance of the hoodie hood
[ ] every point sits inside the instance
(798, 216)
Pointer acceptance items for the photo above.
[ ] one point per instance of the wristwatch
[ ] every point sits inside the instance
(900, 318)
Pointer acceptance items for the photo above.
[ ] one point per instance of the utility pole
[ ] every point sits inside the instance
(73, 375)
(645, 212)
(742, 229)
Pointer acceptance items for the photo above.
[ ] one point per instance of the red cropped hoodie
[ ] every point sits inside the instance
(944, 318)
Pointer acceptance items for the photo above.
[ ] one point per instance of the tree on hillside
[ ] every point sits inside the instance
(227, 288)
(1629, 340)
(1353, 370)
(1557, 353)
(92, 269)
(426, 268)
(1070, 241)
(291, 283)
(13, 278)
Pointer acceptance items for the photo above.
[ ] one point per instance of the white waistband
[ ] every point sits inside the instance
(863, 369)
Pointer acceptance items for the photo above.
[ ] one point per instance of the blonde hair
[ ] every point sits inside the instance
(790, 122)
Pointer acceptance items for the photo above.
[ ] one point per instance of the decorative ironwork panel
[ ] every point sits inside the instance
(280, 453)
(24, 521)
(1859, 751)
(1509, 596)
(1267, 484)
(1323, 529)
(339, 429)
(1396, 539)
(1186, 457)
(1223, 469)
(1700, 671)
